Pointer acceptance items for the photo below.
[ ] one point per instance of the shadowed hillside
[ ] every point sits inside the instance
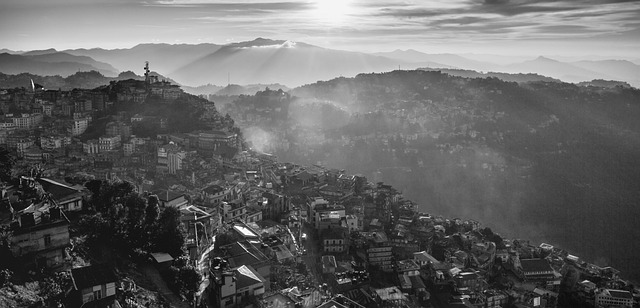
(547, 161)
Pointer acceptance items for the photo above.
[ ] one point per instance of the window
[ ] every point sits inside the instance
(97, 294)
(47, 240)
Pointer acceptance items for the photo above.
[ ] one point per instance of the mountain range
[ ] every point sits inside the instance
(267, 61)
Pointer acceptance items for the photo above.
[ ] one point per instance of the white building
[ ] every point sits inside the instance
(109, 143)
(614, 298)
(27, 121)
(79, 126)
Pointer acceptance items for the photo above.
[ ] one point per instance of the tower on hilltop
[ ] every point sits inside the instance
(146, 72)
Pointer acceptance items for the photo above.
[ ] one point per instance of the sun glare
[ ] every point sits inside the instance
(331, 11)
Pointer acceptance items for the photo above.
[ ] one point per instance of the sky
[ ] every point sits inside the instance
(607, 28)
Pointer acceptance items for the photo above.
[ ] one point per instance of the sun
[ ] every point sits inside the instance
(331, 11)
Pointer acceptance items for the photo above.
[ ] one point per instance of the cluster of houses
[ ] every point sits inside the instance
(362, 243)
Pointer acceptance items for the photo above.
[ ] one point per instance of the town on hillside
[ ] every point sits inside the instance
(136, 194)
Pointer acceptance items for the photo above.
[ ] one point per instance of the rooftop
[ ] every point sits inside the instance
(423, 256)
(247, 276)
(167, 195)
(619, 293)
(390, 294)
(535, 265)
(59, 190)
(407, 265)
(93, 275)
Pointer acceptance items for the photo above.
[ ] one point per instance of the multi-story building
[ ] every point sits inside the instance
(328, 216)
(32, 155)
(118, 128)
(91, 147)
(79, 126)
(215, 194)
(109, 143)
(128, 148)
(470, 280)
(614, 298)
(233, 287)
(335, 240)
(7, 124)
(274, 205)
(22, 145)
(47, 109)
(233, 211)
(245, 253)
(27, 121)
(212, 139)
(174, 161)
(381, 256)
(40, 237)
(50, 143)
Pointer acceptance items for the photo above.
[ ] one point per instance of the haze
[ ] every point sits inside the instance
(595, 28)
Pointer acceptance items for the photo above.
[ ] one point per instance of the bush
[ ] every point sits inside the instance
(5, 277)
(183, 279)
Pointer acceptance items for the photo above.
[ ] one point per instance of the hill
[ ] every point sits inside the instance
(547, 161)
(82, 80)
(502, 76)
(51, 63)
(163, 58)
(277, 61)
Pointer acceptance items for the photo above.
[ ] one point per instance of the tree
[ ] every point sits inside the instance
(106, 194)
(136, 231)
(152, 212)
(170, 236)
(6, 164)
(52, 288)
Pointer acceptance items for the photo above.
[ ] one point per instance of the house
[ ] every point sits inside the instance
(69, 199)
(162, 260)
(234, 287)
(234, 211)
(354, 223)
(470, 280)
(277, 300)
(495, 299)
(168, 198)
(245, 253)
(335, 240)
(94, 286)
(392, 297)
(408, 267)
(40, 236)
(215, 194)
(422, 258)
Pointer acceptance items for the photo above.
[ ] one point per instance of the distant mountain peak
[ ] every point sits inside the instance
(40, 52)
(545, 59)
(265, 43)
